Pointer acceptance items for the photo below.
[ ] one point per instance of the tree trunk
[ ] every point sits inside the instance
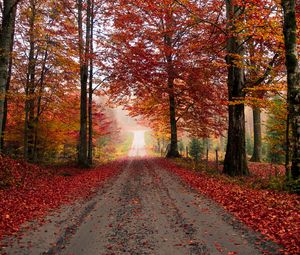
(90, 135)
(83, 52)
(158, 145)
(90, 107)
(6, 44)
(39, 105)
(217, 159)
(235, 162)
(256, 157)
(207, 152)
(30, 91)
(206, 161)
(287, 147)
(293, 79)
(173, 151)
(8, 82)
(36, 130)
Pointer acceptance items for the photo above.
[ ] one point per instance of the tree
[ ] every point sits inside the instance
(263, 59)
(84, 48)
(43, 68)
(160, 67)
(293, 80)
(30, 84)
(43, 71)
(6, 45)
(196, 149)
(83, 51)
(235, 162)
(256, 155)
(91, 79)
(249, 23)
(256, 79)
(276, 129)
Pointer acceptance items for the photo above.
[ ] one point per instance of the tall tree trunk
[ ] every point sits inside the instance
(235, 162)
(8, 82)
(173, 150)
(256, 156)
(36, 130)
(6, 44)
(287, 147)
(30, 90)
(39, 106)
(91, 91)
(83, 52)
(293, 79)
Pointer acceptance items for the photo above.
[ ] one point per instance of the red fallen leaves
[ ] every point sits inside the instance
(37, 195)
(260, 170)
(265, 170)
(17, 173)
(274, 214)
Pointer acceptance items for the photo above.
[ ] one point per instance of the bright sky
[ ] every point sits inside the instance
(127, 123)
(138, 146)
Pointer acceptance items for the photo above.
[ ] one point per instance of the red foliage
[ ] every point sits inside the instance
(37, 194)
(276, 215)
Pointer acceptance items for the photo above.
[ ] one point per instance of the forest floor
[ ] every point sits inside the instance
(152, 206)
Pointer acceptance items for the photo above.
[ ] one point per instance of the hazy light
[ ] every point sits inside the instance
(138, 145)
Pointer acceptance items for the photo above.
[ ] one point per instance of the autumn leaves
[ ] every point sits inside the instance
(180, 65)
(166, 67)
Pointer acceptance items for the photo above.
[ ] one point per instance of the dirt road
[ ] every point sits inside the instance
(144, 210)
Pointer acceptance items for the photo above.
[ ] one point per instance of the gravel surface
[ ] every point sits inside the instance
(144, 210)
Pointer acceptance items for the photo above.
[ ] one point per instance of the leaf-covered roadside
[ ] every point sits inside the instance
(262, 175)
(276, 215)
(35, 191)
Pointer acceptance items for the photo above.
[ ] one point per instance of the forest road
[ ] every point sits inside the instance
(144, 210)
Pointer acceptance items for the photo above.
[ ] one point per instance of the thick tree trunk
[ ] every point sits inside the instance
(256, 156)
(235, 162)
(6, 42)
(293, 79)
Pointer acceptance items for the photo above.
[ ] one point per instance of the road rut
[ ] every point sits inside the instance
(145, 210)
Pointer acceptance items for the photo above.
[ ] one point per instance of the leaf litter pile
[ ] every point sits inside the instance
(275, 215)
(28, 191)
